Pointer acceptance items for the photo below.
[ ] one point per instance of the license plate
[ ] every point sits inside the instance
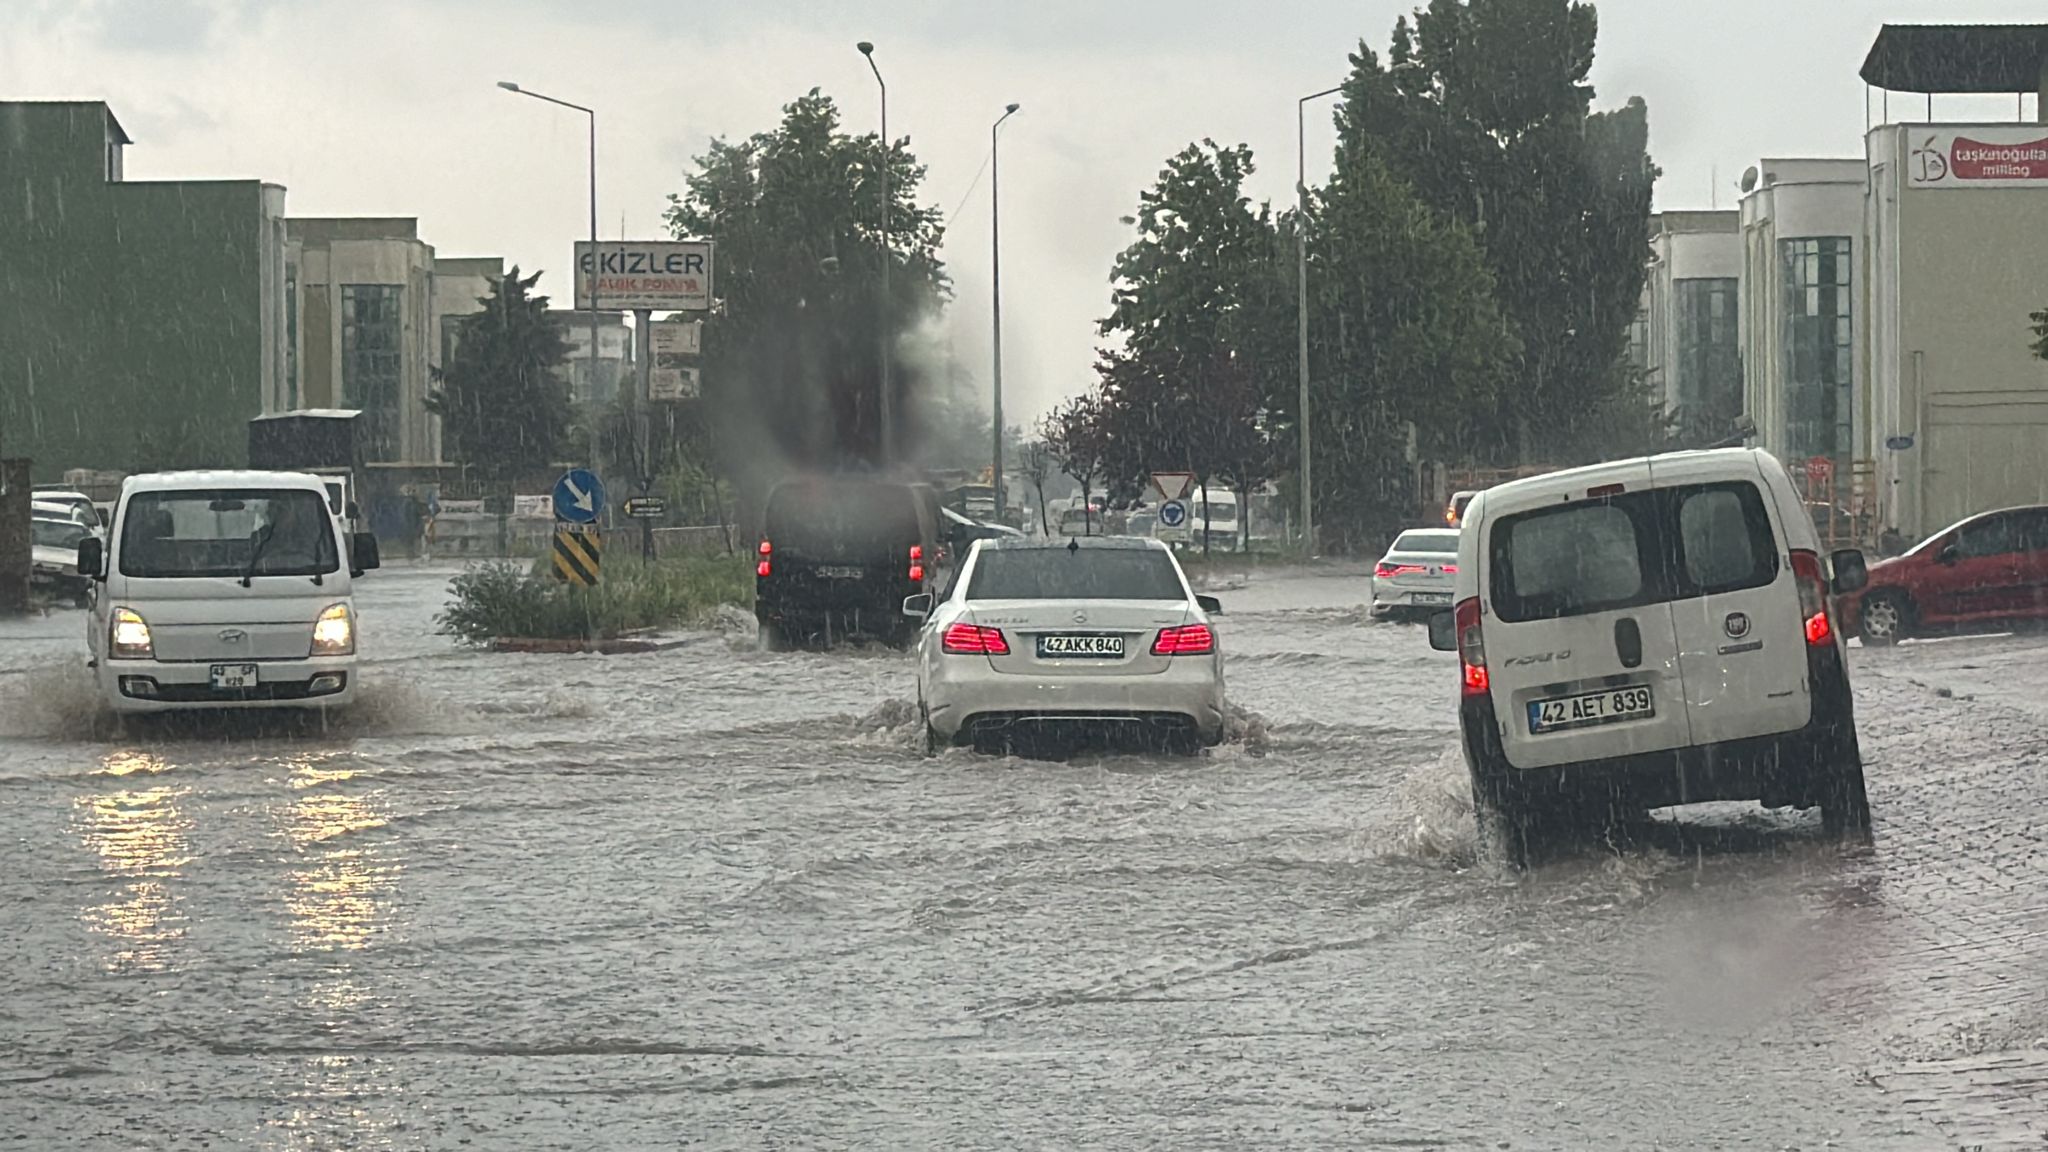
(233, 677)
(1589, 708)
(1086, 647)
(840, 572)
(1431, 597)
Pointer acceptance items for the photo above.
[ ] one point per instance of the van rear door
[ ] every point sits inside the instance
(1581, 649)
(1741, 641)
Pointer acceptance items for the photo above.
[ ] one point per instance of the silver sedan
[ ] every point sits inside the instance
(1417, 575)
(1045, 642)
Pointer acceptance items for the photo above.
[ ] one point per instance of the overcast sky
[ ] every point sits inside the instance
(378, 107)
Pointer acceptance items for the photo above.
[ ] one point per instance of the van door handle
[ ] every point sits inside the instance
(1628, 642)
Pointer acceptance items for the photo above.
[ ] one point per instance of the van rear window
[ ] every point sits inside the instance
(844, 521)
(1629, 550)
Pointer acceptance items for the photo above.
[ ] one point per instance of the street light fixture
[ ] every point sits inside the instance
(867, 49)
(509, 86)
(996, 264)
(1308, 529)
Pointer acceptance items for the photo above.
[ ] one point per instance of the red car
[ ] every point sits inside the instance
(1989, 569)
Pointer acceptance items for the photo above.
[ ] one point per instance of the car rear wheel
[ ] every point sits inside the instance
(1886, 619)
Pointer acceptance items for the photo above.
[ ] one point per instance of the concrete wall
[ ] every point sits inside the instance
(132, 314)
(1959, 270)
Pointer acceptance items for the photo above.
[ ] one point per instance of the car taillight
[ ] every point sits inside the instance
(1191, 640)
(1472, 649)
(972, 640)
(1384, 570)
(1450, 569)
(1813, 597)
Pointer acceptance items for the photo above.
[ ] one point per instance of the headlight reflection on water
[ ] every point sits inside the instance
(139, 836)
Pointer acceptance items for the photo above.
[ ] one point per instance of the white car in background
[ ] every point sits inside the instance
(1417, 576)
(53, 558)
(1040, 642)
(65, 503)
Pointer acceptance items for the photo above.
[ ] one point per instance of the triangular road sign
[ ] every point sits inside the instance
(1173, 485)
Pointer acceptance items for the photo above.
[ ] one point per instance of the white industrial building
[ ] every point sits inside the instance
(1688, 344)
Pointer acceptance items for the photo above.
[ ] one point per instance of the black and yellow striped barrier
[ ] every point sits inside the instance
(577, 553)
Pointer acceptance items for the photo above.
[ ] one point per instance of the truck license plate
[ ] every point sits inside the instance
(233, 677)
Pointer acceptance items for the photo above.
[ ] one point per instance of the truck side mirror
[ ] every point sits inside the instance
(1443, 631)
(1851, 573)
(92, 558)
(362, 553)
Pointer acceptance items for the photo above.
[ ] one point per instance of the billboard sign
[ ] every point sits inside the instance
(1977, 157)
(673, 374)
(644, 275)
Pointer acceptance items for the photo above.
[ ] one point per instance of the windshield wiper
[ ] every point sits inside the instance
(263, 535)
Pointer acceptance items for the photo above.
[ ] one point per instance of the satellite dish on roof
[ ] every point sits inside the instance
(1749, 179)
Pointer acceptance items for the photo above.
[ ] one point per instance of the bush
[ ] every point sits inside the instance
(501, 598)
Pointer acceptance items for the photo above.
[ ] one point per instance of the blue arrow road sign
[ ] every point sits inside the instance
(579, 496)
(1173, 513)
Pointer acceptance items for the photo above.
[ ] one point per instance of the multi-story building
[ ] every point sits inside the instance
(461, 283)
(361, 291)
(1956, 231)
(1687, 343)
(1801, 295)
(595, 384)
(142, 322)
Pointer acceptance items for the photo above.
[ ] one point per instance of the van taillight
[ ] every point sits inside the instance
(764, 567)
(1472, 649)
(1813, 598)
(916, 563)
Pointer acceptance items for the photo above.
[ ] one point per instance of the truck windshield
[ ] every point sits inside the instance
(216, 532)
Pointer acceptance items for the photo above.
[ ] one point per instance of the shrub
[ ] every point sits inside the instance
(501, 598)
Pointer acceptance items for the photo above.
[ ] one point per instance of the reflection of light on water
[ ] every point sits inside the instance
(333, 1108)
(130, 762)
(340, 888)
(140, 836)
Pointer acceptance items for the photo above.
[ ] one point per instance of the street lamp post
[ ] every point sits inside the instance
(1308, 529)
(996, 265)
(887, 406)
(509, 86)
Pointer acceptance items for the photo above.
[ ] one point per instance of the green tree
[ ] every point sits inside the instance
(503, 408)
(1076, 437)
(793, 346)
(1484, 109)
(2040, 344)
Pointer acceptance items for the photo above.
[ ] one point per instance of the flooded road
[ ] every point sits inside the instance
(715, 897)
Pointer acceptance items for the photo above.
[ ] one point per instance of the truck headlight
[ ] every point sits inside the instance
(128, 639)
(334, 634)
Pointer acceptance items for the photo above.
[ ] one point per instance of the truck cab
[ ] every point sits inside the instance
(225, 590)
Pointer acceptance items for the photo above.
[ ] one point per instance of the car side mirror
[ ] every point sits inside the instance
(1851, 573)
(919, 606)
(362, 553)
(1209, 604)
(92, 558)
(1949, 554)
(1443, 631)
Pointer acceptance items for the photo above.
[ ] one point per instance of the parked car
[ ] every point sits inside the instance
(66, 503)
(225, 590)
(53, 558)
(1417, 575)
(1989, 569)
(1043, 639)
(1647, 633)
(838, 554)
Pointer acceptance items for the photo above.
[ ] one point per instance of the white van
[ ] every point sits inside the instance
(225, 590)
(1647, 633)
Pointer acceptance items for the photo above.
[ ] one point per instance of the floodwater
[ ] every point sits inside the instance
(715, 897)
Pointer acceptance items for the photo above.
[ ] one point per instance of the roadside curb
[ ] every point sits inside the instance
(599, 647)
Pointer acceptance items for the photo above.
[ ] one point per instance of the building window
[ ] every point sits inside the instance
(1818, 358)
(371, 337)
(1639, 342)
(1709, 358)
(291, 336)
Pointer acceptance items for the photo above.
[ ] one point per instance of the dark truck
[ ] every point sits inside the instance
(323, 441)
(838, 554)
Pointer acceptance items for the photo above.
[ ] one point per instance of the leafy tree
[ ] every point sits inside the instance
(1076, 437)
(1484, 110)
(793, 347)
(1035, 462)
(503, 408)
(2040, 344)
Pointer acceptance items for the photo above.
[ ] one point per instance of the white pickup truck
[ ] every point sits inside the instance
(225, 590)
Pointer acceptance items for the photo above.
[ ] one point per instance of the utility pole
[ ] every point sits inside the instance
(1308, 528)
(996, 263)
(888, 402)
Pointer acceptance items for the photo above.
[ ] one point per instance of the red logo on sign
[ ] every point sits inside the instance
(1975, 160)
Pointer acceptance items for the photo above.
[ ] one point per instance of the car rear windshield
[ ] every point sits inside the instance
(228, 532)
(1075, 574)
(1631, 549)
(1442, 542)
(56, 533)
(857, 522)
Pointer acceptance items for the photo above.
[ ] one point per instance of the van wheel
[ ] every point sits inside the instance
(1507, 826)
(1844, 803)
(1887, 618)
(773, 637)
